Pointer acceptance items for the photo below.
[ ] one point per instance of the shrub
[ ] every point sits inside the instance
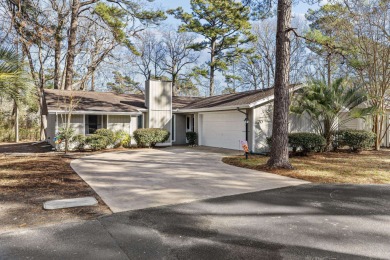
(192, 137)
(304, 142)
(96, 142)
(79, 141)
(64, 135)
(108, 134)
(122, 139)
(149, 137)
(356, 140)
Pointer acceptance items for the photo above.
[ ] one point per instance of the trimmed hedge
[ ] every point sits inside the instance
(356, 140)
(149, 137)
(122, 139)
(96, 142)
(304, 142)
(79, 141)
(192, 137)
(108, 134)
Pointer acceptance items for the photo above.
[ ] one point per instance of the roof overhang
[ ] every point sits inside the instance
(94, 112)
(209, 109)
(268, 99)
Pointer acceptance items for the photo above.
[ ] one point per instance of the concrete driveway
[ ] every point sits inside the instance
(137, 179)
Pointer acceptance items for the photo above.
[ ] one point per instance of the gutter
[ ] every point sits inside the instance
(177, 110)
(94, 112)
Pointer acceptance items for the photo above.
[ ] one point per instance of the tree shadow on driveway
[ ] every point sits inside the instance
(302, 222)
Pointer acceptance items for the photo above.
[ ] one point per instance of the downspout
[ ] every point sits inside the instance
(246, 120)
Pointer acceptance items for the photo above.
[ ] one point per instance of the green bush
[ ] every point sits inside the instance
(96, 142)
(79, 141)
(303, 142)
(192, 137)
(149, 137)
(306, 142)
(108, 134)
(122, 139)
(356, 140)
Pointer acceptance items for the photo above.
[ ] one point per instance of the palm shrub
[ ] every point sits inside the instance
(13, 79)
(149, 137)
(330, 107)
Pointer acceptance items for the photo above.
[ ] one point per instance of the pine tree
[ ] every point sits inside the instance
(225, 26)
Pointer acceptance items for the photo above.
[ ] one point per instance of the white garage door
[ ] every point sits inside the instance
(222, 129)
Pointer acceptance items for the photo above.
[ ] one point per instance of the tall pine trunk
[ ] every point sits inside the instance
(72, 44)
(212, 67)
(279, 151)
(57, 51)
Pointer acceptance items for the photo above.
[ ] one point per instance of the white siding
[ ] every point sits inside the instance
(133, 127)
(300, 123)
(51, 128)
(263, 125)
(222, 129)
(119, 122)
(159, 104)
(76, 122)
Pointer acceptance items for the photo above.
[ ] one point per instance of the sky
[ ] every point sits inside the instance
(299, 9)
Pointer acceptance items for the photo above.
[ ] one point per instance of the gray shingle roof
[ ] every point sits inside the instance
(234, 99)
(59, 100)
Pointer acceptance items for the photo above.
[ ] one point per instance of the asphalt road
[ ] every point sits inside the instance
(301, 222)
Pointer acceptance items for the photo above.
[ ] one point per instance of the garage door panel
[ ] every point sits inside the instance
(223, 129)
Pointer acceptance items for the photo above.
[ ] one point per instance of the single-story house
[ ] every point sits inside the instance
(220, 121)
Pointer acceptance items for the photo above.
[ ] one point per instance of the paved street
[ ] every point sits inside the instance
(299, 222)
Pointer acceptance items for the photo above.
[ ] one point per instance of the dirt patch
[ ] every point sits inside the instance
(28, 180)
(25, 147)
(368, 167)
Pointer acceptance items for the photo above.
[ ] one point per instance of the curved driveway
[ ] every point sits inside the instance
(146, 178)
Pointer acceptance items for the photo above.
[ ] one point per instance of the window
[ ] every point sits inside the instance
(140, 121)
(93, 123)
(173, 132)
(188, 122)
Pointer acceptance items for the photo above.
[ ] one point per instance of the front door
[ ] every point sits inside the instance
(189, 124)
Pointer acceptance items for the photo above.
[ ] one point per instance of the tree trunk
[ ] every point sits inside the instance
(72, 44)
(329, 70)
(377, 131)
(212, 67)
(174, 87)
(16, 122)
(57, 52)
(279, 151)
(93, 81)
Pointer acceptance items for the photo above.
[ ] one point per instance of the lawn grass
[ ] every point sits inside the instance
(367, 167)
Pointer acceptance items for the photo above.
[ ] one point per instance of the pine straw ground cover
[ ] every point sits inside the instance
(28, 180)
(367, 167)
